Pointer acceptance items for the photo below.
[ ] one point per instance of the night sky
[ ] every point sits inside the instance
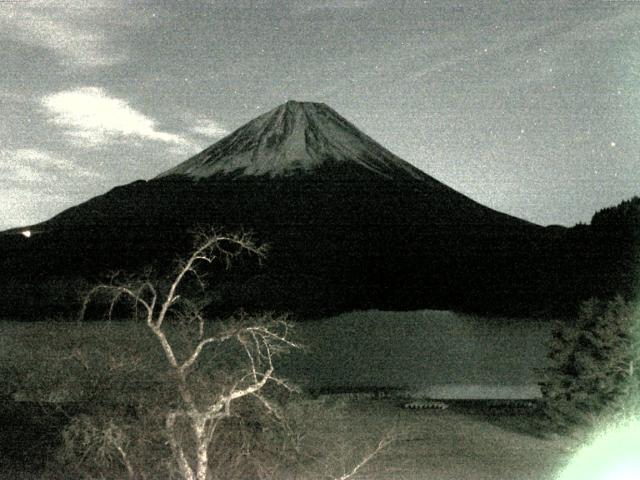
(531, 108)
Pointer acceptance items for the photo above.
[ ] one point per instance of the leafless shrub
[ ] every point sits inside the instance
(95, 445)
(328, 446)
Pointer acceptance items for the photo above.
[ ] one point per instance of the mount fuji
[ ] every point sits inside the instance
(350, 225)
(296, 137)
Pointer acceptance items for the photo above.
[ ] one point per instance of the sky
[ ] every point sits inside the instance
(529, 107)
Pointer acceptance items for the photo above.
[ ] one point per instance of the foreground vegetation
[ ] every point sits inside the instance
(59, 375)
(60, 371)
(462, 442)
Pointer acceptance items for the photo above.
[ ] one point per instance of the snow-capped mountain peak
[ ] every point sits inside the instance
(293, 138)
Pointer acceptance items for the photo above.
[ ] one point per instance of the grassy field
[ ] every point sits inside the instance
(462, 442)
(47, 364)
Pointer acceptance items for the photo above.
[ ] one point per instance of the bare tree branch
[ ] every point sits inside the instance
(382, 444)
(260, 343)
(196, 352)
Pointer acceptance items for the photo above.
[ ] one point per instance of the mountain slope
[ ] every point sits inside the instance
(350, 225)
(311, 141)
(294, 137)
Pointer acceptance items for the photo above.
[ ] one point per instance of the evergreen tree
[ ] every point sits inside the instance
(593, 363)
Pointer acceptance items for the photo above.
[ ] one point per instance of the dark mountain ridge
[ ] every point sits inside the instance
(350, 225)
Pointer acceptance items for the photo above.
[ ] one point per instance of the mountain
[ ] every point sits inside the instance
(350, 226)
(296, 137)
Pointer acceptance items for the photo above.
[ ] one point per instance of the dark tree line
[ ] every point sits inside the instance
(602, 259)
(321, 262)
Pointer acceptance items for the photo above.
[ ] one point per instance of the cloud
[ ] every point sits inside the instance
(93, 118)
(36, 184)
(26, 174)
(62, 28)
(209, 128)
(339, 4)
(38, 168)
(47, 161)
(24, 206)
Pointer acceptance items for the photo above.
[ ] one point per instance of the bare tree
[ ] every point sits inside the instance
(205, 393)
(259, 340)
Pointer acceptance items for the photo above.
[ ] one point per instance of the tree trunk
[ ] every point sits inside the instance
(202, 452)
(185, 470)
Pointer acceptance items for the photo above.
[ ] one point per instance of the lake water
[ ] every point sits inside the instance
(436, 354)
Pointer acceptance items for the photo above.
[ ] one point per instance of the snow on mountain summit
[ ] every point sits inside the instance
(294, 137)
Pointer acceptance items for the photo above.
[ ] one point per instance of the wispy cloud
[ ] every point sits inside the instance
(36, 184)
(61, 27)
(48, 161)
(339, 4)
(37, 167)
(24, 206)
(25, 174)
(209, 128)
(92, 117)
